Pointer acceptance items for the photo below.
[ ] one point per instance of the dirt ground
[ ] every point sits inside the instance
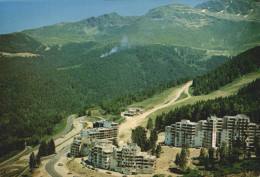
(162, 165)
(40, 172)
(132, 122)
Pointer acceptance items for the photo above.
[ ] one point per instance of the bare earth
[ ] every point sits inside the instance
(132, 122)
(18, 54)
(163, 164)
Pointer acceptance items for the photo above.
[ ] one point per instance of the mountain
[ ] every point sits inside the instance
(18, 42)
(80, 64)
(247, 9)
(107, 26)
(175, 24)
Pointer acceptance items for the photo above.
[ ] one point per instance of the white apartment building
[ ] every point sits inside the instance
(181, 132)
(127, 160)
(101, 130)
(130, 160)
(212, 132)
(75, 149)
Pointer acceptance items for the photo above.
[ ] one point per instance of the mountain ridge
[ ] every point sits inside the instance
(167, 25)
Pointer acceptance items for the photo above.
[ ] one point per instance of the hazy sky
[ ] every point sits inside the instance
(18, 15)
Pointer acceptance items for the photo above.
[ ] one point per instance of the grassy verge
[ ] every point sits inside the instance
(182, 96)
(225, 91)
(191, 90)
(10, 155)
(58, 128)
(161, 98)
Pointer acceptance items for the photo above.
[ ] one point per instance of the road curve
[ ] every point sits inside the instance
(50, 165)
(67, 128)
(132, 122)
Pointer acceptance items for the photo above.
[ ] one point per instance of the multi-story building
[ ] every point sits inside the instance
(212, 137)
(180, 133)
(239, 127)
(101, 154)
(76, 146)
(212, 132)
(101, 130)
(130, 160)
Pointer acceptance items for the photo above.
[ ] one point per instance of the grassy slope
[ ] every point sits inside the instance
(161, 98)
(227, 90)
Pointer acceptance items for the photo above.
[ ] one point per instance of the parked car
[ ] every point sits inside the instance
(60, 164)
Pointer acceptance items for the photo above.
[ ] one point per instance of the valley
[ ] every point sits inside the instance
(173, 62)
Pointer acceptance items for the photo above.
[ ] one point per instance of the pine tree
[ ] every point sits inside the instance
(38, 160)
(211, 153)
(153, 138)
(153, 151)
(177, 159)
(89, 113)
(51, 147)
(32, 161)
(202, 156)
(149, 125)
(158, 150)
(182, 160)
(43, 149)
(223, 154)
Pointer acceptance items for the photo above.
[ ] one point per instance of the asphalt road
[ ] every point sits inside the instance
(67, 128)
(6, 163)
(50, 165)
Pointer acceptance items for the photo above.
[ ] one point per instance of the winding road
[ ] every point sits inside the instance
(11, 163)
(50, 165)
(132, 122)
(63, 147)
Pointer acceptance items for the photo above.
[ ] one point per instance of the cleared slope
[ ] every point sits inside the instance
(225, 91)
(132, 122)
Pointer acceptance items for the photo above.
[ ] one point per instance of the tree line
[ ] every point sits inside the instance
(247, 101)
(147, 144)
(117, 105)
(41, 91)
(219, 160)
(45, 149)
(244, 63)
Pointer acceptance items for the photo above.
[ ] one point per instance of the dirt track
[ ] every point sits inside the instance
(132, 122)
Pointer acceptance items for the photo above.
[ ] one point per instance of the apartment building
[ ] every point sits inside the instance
(101, 154)
(130, 160)
(101, 130)
(239, 127)
(75, 149)
(212, 132)
(127, 160)
(180, 133)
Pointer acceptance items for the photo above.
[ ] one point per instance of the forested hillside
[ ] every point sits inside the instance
(117, 59)
(39, 91)
(18, 42)
(242, 64)
(247, 102)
